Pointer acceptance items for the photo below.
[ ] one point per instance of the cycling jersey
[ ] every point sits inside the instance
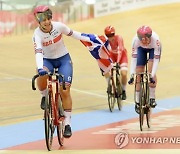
(51, 45)
(140, 51)
(118, 52)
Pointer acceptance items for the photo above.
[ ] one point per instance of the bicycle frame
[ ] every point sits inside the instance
(52, 115)
(56, 115)
(114, 88)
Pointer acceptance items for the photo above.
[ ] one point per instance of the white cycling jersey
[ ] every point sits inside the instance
(51, 45)
(154, 44)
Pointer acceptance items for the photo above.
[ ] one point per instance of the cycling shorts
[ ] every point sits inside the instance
(64, 65)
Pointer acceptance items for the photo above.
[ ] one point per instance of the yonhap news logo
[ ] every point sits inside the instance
(122, 139)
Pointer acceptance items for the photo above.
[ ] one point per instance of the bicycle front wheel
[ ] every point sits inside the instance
(148, 108)
(111, 95)
(48, 122)
(119, 92)
(141, 107)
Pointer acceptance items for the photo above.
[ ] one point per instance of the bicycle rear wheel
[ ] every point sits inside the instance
(148, 118)
(111, 95)
(49, 125)
(119, 92)
(60, 127)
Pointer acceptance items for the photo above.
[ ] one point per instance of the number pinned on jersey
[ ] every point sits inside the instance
(69, 78)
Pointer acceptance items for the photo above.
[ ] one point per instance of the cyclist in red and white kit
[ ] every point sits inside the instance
(118, 54)
(146, 45)
(50, 53)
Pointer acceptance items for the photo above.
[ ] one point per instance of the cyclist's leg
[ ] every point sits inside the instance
(105, 66)
(66, 69)
(42, 81)
(124, 67)
(152, 87)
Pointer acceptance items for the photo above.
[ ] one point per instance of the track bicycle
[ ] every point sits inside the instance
(144, 104)
(114, 90)
(53, 113)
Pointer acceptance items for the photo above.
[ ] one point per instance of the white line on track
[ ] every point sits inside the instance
(77, 90)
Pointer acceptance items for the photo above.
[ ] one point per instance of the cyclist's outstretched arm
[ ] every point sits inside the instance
(77, 35)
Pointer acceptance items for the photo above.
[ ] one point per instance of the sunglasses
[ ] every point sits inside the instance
(110, 35)
(43, 16)
(146, 35)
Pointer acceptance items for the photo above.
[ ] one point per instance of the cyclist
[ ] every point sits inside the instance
(145, 44)
(50, 53)
(118, 54)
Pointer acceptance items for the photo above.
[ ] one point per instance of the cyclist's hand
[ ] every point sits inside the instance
(42, 72)
(92, 37)
(131, 80)
(151, 80)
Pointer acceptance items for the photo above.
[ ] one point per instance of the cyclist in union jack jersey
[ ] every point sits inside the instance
(146, 42)
(50, 53)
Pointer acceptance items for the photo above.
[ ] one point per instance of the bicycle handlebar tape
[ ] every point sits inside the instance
(33, 81)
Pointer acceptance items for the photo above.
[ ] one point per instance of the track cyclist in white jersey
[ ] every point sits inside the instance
(146, 45)
(50, 53)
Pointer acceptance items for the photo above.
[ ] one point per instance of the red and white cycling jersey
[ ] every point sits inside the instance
(154, 44)
(51, 45)
(118, 52)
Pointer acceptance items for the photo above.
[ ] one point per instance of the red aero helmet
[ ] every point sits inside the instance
(41, 12)
(109, 31)
(144, 31)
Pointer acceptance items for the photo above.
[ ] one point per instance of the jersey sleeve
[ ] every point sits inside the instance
(134, 56)
(38, 51)
(75, 34)
(157, 54)
(121, 47)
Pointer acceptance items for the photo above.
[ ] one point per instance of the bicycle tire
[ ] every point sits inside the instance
(148, 118)
(111, 96)
(48, 122)
(141, 106)
(119, 92)
(60, 127)
(148, 108)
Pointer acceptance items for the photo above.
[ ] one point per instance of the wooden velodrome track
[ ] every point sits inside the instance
(17, 64)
